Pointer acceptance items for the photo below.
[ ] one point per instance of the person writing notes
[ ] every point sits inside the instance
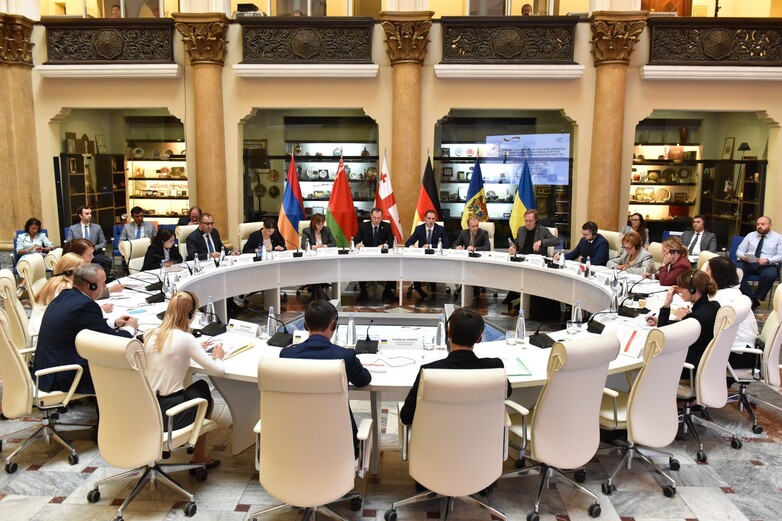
(634, 258)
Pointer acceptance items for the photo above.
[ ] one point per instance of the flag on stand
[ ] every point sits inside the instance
(428, 198)
(292, 209)
(523, 200)
(341, 214)
(384, 199)
(476, 197)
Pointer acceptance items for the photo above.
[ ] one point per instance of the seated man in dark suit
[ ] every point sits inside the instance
(592, 245)
(473, 238)
(86, 229)
(698, 239)
(375, 234)
(427, 235)
(193, 217)
(465, 328)
(320, 319)
(268, 235)
(205, 241)
(73, 310)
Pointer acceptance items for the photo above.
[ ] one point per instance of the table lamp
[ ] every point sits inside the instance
(744, 147)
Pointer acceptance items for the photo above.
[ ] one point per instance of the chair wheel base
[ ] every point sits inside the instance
(669, 491)
(190, 509)
(607, 488)
(390, 515)
(757, 429)
(533, 516)
(12, 467)
(73, 459)
(356, 503)
(701, 456)
(736, 443)
(594, 510)
(93, 496)
(580, 476)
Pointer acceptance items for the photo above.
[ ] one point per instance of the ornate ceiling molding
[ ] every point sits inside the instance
(407, 35)
(614, 35)
(203, 36)
(15, 45)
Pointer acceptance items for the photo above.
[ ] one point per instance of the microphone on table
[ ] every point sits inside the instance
(283, 339)
(213, 328)
(367, 345)
(541, 340)
(515, 257)
(596, 327)
(154, 290)
(296, 254)
(630, 291)
(155, 286)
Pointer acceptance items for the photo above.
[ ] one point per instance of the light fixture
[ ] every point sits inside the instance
(744, 147)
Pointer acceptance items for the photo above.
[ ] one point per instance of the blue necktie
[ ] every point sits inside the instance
(138, 232)
(87, 232)
(209, 244)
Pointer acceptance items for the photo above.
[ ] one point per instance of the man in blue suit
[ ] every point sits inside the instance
(427, 235)
(72, 311)
(320, 319)
(592, 245)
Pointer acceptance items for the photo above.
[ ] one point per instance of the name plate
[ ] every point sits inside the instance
(401, 341)
(327, 252)
(369, 250)
(461, 254)
(243, 327)
(415, 252)
(288, 254)
(536, 260)
(498, 255)
(246, 258)
(300, 336)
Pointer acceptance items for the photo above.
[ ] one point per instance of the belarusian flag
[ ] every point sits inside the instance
(384, 199)
(341, 214)
(428, 198)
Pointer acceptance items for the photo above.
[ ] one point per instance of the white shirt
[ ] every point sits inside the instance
(747, 331)
(166, 369)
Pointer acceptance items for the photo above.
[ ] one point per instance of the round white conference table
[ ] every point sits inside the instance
(393, 371)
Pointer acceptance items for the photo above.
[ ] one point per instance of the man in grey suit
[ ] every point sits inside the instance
(473, 238)
(698, 239)
(138, 229)
(86, 229)
(532, 238)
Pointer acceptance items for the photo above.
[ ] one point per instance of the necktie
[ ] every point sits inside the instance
(87, 232)
(374, 235)
(429, 237)
(472, 240)
(694, 242)
(759, 249)
(210, 247)
(138, 232)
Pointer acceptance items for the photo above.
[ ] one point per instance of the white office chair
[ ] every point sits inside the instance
(564, 432)
(244, 230)
(181, 233)
(707, 387)
(704, 257)
(32, 270)
(648, 411)
(297, 394)
(16, 315)
(767, 370)
(656, 249)
(133, 251)
(490, 229)
(458, 439)
(614, 242)
(52, 258)
(21, 394)
(131, 434)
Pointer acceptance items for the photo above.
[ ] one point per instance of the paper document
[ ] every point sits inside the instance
(515, 367)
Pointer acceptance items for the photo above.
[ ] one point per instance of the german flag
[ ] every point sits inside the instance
(428, 198)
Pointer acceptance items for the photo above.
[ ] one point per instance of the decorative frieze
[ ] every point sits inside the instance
(614, 35)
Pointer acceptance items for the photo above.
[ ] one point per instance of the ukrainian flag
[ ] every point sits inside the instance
(476, 197)
(523, 201)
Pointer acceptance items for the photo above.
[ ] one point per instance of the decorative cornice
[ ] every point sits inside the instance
(111, 71)
(203, 36)
(710, 73)
(614, 35)
(15, 45)
(508, 71)
(407, 35)
(309, 70)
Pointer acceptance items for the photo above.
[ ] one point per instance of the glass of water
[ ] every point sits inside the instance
(428, 343)
(510, 337)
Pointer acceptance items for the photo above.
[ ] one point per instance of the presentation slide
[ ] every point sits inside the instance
(548, 155)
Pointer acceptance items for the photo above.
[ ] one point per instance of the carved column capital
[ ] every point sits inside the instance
(203, 36)
(614, 35)
(15, 45)
(407, 35)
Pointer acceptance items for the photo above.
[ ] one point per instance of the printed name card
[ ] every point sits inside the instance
(242, 327)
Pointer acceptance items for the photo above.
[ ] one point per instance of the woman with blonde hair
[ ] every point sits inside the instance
(169, 348)
(675, 261)
(62, 278)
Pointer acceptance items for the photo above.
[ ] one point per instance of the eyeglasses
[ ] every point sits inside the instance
(207, 223)
(635, 219)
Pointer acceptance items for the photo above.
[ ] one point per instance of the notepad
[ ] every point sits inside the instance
(515, 367)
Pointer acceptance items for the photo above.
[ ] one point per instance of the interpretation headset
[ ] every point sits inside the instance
(692, 282)
(67, 273)
(191, 314)
(92, 286)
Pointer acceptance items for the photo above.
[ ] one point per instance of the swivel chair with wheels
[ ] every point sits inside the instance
(32, 270)
(648, 411)
(706, 388)
(21, 336)
(133, 252)
(564, 432)
(21, 394)
(131, 434)
(458, 439)
(297, 395)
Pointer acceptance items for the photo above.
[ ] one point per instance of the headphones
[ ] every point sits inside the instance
(692, 282)
(67, 273)
(191, 314)
(92, 286)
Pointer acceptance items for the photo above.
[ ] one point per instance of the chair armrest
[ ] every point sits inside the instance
(614, 395)
(257, 431)
(59, 369)
(257, 428)
(524, 412)
(517, 407)
(403, 433)
(26, 350)
(201, 405)
(364, 443)
(753, 350)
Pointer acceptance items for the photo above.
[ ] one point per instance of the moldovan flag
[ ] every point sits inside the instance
(428, 198)
(384, 199)
(523, 201)
(292, 209)
(341, 214)
(476, 197)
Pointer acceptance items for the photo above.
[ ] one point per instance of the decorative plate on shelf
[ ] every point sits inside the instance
(458, 151)
(470, 152)
(669, 174)
(260, 190)
(684, 175)
(138, 152)
(273, 175)
(183, 152)
(167, 154)
(323, 174)
(274, 192)
(662, 195)
(156, 154)
(312, 174)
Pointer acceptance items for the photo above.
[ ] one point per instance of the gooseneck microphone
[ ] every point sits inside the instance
(367, 345)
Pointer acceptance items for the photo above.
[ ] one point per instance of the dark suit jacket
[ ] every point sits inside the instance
(597, 251)
(541, 234)
(197, 246)
(364, 234)
(96, 235)
(708, 240)
(256, 238)
(705, 312)
(154, 256)
(459, 359)
(326, 237)
(184, 221)
(419, 236)
(68, 314)
(318, 347)
(482, 242)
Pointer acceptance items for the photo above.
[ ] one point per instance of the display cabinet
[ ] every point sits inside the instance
(85, 180)
(157, 179)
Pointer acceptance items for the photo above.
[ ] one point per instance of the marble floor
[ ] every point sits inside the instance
(733, 484)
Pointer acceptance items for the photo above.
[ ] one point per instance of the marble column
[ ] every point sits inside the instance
(203, 36)
(614, 35)
(20, 187)
(407, 37)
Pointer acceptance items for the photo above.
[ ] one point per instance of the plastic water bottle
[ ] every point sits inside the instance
(211, 316)
(259, 251)
(222, 257)
(588, 267)
(439, 338)
(577, 315)
(396, 245)
(614, 301)
(197, 265)
(440, 247)
(352, 245)
(561, 259)
(271, 322)
(351, 336)
(166, 284)
(308, 249)
(521, 327)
